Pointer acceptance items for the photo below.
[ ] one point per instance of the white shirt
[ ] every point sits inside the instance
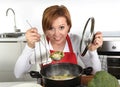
(40, 55)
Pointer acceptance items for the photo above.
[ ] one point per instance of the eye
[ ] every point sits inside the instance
(51, 28)
(62, 27)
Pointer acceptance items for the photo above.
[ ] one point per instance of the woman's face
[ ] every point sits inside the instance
(58, 31)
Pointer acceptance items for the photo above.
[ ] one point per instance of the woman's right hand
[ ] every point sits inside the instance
(32, 36)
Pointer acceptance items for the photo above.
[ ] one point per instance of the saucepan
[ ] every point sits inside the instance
(61, 74)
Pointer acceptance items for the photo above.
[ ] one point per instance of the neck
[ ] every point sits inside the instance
(58, 47)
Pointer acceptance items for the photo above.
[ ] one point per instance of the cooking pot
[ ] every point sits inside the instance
(61, 69)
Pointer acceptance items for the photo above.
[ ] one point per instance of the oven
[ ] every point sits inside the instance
(113, 63)
(110, 52)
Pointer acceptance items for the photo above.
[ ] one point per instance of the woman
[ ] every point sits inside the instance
(56, 25)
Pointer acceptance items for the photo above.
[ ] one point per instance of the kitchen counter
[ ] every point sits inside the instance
(11, 84)
(22, 38)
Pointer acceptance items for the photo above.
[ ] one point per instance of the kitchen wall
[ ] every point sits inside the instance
(105, 12)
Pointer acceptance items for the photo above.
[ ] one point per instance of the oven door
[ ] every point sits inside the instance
(113, 65)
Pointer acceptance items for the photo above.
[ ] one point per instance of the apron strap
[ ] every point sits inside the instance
(69, 43)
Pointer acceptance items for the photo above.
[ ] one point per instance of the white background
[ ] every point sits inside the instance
(105, 12)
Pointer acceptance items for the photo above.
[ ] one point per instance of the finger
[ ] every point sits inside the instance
(98, 36)
(98, 42)
(34, 36)
(34, 30)
(98, 32)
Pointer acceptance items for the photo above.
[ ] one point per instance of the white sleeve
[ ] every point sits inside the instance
(92, 59)
(23, 63)
(95, 61)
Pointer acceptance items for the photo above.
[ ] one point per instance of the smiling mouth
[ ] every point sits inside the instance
(57, 39)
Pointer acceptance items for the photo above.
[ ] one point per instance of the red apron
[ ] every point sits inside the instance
(69, 57)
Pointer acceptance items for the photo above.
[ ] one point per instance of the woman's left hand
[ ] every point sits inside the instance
(97, 41)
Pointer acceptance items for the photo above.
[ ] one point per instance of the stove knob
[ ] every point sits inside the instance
(113, 47)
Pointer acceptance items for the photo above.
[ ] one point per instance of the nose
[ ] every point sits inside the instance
(56, 32)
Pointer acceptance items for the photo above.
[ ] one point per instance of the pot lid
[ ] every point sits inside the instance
(87, 36)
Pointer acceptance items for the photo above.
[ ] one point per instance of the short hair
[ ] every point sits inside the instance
(53, 12)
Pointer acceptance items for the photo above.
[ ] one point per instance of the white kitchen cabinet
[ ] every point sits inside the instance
(10, 50)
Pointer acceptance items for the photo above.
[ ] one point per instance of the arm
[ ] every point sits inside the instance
(96, 64)
(91, 59)
(23, 63)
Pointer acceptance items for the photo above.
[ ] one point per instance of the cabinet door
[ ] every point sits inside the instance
(9, 53)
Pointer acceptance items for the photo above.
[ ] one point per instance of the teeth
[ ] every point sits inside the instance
(56, 39)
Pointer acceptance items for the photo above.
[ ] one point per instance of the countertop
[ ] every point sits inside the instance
(11, 84)
(22, 38)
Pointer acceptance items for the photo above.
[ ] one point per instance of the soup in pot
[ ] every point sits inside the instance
(61, 77)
